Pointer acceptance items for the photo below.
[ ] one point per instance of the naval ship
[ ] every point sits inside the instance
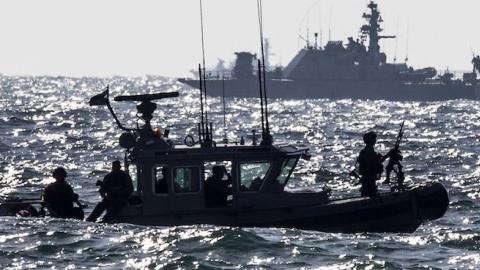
(356, 70)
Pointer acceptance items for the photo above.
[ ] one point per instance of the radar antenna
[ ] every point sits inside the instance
(145, 108)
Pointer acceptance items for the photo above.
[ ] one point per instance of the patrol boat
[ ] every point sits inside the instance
(170, 183)
(356, 70)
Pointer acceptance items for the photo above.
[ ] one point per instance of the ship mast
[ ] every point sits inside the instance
(372, 29)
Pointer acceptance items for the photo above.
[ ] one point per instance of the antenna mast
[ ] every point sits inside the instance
(225, 140)
(408, 30)
(330, 24)
(261, 96)
(396, 46)
(266, 137)
(205, 131)
(201, 126)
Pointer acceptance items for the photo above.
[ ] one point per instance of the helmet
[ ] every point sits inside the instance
(116, 165)
(218, 170)
(370, 137)
(60, 171)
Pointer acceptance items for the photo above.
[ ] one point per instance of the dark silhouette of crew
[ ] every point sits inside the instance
(58, 197)
(216, 188)
(370, 165)
(256, 184)
(115, 190)
(161, 186)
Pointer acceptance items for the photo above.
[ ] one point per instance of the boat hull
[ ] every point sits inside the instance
(307, 89)
(389, 212)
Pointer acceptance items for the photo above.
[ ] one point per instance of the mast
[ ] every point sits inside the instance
(266, 136)
(408, 34)
(225, 140)
(372, 29)
(205, 139)
(202, 118)
(260, 86)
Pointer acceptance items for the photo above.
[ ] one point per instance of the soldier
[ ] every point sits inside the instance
(370, 165)
(161, 186)
(115, 191)
(217, 189)
(58, 197)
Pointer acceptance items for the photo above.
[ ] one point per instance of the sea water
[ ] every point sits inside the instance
(46, 122)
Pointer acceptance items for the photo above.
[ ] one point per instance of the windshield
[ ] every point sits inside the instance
(287, 168)
(252, 175)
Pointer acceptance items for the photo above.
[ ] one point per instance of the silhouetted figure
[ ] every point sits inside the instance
(115, 191)
(161, 185)
(217, 189)
(58, 197)
(256, 184)
(370, 165)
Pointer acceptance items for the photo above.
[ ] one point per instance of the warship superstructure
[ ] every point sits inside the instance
(356, 70)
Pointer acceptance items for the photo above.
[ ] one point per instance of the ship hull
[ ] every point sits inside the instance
(389, 212)
(312, 89)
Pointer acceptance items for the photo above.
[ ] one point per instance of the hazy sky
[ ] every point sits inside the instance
(137, 37)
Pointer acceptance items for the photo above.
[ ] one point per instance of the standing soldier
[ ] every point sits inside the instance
(217, 189)
(370, 165)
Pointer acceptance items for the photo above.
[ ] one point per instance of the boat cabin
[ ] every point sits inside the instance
(203, 176)
(176, 178)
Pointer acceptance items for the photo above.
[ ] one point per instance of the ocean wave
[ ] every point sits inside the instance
(48, 123)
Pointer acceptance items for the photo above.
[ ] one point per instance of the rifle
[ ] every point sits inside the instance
(394, 158)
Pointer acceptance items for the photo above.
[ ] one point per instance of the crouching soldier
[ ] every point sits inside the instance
(115, 190)
(58, 197)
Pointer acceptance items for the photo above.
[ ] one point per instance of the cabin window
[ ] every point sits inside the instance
(160, 174)
(132, 172)
(286, 171)
(252, 175)
(186, 179)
